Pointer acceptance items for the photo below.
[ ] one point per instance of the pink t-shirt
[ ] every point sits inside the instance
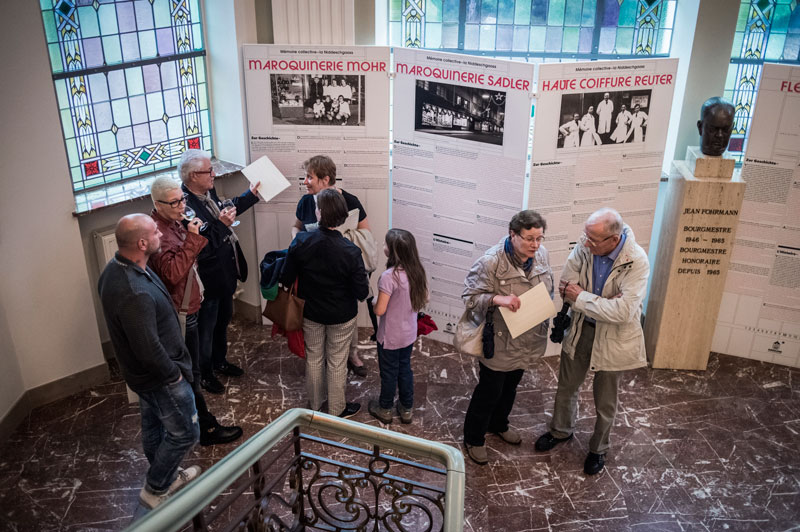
(402, 319)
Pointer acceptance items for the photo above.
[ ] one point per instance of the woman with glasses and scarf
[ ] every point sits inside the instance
(497, 279)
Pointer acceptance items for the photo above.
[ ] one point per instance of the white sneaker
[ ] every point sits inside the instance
(151, 500)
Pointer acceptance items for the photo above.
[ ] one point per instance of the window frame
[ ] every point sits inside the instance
(594, 55)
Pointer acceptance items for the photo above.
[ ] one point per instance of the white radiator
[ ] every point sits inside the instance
(105, 246)
(313, 21)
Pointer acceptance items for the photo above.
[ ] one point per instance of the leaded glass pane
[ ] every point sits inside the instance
(553, 41)
(505, 11)
(505, 37)
(433, 35)
(585, 40)
(488, 32)
(450, 10)
(538, 38)
(450, 35)
(522, 13)
(126, 120)
(573, 13)
(624, 40)
(473, 11)
(570, 40)
(521, 38)
(589, 7)
(555, 15)
(471, 41)
(489, 12)
(433, 11)
(539, 11)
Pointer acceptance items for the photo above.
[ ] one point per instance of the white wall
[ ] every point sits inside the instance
(49, 329)
(11, 386)
(704, 33)
(228, 25)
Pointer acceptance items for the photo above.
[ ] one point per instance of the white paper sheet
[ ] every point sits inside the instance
(535, 307)
(272, 180)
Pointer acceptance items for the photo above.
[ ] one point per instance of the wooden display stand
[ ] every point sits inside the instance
(694, 252)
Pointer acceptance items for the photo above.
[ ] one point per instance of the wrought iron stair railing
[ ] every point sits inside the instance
(286, 478)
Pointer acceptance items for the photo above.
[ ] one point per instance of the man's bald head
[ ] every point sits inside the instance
(131, 229)
(611, 220)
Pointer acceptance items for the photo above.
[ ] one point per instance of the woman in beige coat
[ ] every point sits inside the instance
(497, 279)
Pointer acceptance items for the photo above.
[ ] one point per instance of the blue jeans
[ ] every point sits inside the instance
(395, 366)
(215, 315)
(169, 431)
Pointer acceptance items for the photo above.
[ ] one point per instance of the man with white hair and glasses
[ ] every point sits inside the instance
(220, 263)
(604, 280)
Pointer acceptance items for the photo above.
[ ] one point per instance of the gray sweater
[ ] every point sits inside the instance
(143, 325)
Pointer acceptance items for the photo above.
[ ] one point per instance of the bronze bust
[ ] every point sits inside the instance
(715, 125)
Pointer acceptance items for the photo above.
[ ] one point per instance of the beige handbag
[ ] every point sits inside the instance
(469, 335)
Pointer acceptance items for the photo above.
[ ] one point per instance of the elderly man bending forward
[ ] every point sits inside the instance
(604, 280)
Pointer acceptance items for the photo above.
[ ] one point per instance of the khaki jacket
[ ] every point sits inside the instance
(493, 274)
(618, 339)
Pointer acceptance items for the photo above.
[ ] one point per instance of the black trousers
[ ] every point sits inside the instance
(491, 404)
(204, 417)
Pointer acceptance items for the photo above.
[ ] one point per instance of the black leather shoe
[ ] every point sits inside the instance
(231, 370)
(594, 463)
(212, 385)
(547, 441)
(217, 434)
(360, 371)
(350, 410)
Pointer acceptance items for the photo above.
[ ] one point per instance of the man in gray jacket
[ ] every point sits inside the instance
(604, 280)
(152, 355)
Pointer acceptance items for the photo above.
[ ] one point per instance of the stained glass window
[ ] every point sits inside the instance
(130, 83)
(535, 29)
(766, 31)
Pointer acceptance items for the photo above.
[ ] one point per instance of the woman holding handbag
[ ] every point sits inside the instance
(497, 279)
(332, 280)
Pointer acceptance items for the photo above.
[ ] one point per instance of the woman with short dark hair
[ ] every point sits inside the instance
(332, 280)
(497, 279)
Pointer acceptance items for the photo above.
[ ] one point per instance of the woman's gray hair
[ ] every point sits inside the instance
(190, 162)
(162, 185)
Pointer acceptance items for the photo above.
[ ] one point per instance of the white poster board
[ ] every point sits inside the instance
(319, 100)
(460, 128)
(590, 152)
(759, 316)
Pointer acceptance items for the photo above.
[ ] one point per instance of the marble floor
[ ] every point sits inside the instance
(713, 450)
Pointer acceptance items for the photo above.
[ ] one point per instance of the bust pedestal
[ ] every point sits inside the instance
(692, 259)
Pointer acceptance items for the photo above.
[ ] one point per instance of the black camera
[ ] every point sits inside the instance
(560, 323)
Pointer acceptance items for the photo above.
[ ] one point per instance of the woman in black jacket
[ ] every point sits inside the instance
(332, 280)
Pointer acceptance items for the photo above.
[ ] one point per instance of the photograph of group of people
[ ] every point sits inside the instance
(468, 113)
(320, 100)
(594, 119)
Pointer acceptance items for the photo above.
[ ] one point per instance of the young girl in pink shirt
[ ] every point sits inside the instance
(402, 292)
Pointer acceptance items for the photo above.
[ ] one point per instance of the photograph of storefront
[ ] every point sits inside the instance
(467, 113)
